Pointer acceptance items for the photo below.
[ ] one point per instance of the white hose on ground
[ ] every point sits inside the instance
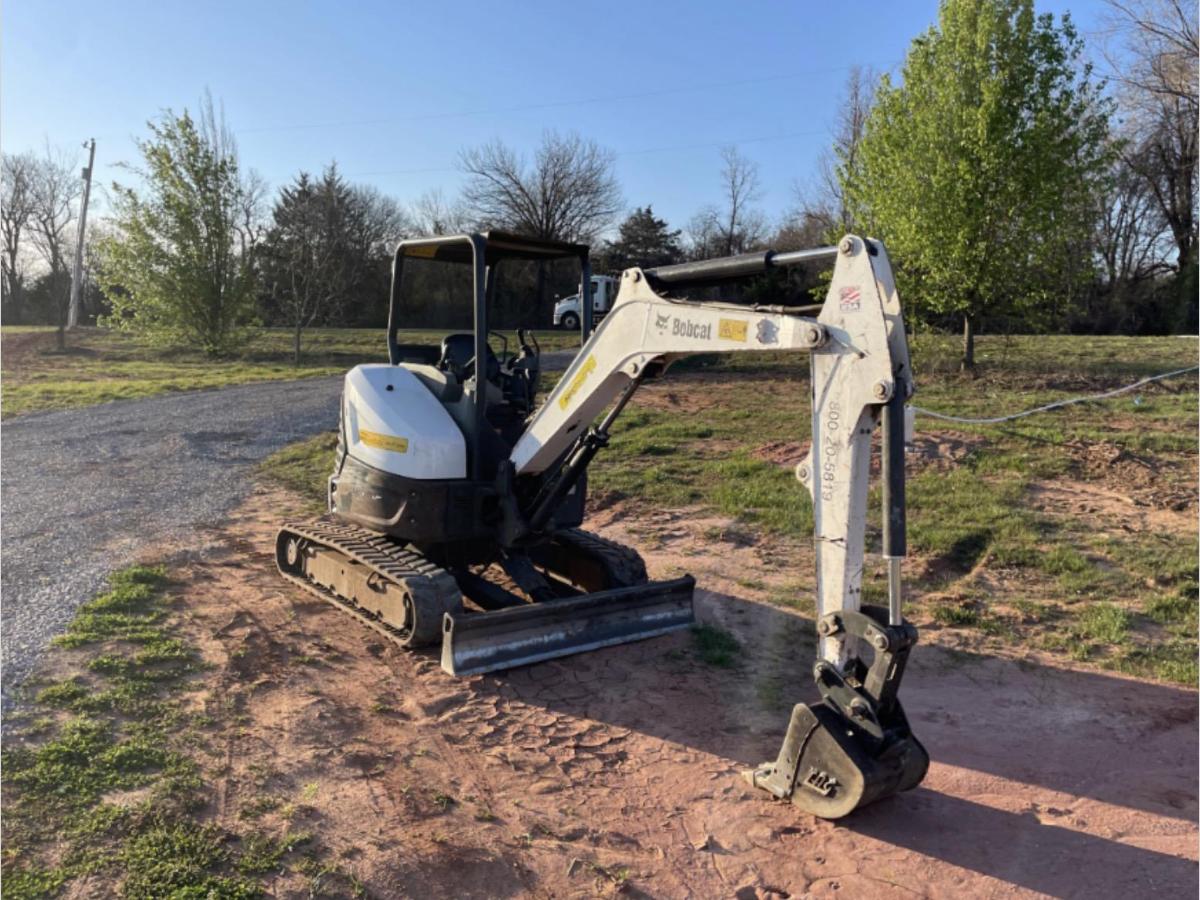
(1060, 403)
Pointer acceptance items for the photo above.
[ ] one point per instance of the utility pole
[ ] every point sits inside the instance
(77, 277)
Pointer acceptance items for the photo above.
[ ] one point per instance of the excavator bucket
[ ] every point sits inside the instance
(473, 643)
(855, 746)
(829, 768)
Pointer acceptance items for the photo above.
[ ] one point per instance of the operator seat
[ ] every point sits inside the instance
(457, 352)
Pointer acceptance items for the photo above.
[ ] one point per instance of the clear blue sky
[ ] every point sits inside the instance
(394, 90)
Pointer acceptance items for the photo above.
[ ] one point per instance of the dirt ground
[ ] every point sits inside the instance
(618, 771)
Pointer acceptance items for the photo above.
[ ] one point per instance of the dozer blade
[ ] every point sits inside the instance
(487, 642)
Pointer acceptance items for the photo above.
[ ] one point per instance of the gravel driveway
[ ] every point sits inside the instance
(82, 491)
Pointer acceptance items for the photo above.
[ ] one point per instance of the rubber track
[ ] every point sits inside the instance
(624, 563)
(430, 586)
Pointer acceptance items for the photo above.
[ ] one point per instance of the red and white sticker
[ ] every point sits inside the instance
(849, 298)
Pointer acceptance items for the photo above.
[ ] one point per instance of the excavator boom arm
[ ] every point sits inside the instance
(859, 361)
(855, 745)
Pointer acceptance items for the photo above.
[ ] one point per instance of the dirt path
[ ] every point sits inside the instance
(618, 771)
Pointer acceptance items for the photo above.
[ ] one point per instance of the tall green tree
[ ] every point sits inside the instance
(643, 240)
(326, 250)
(176, 270)
(980, 168)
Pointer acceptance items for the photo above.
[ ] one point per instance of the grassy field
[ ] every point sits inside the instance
(99, 366)
(1000, 559)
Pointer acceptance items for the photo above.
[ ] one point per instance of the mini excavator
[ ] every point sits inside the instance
(456, 498)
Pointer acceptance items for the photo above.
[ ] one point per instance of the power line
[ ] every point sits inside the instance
(554, 104)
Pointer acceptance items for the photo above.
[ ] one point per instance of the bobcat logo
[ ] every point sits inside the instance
(767, 332)
(661, 322)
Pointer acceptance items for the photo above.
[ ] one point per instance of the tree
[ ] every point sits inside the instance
(643, 240)
(980, 170)
(826, 205)
(326, 249)
(178, 269)
(734, 226)
(1156, 71)
(569, 193)
(741, 226)
(17, 174)
(434, 215)
(56, 185)
(252, 213)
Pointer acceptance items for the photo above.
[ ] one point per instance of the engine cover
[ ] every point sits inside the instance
(394, 423)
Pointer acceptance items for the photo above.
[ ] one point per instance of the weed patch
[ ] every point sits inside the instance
(715, 646)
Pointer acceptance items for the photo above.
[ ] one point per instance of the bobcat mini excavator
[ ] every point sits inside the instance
(455, 500)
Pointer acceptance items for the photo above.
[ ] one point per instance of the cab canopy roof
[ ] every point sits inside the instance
(496, 245)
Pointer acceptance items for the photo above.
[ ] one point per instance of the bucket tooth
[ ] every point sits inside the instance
(487, 642)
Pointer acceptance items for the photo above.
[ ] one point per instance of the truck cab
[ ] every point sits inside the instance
(567, 310)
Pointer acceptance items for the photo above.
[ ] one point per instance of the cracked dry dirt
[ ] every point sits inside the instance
(618, 771)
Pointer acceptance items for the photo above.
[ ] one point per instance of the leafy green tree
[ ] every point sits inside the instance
(643, 240)
(980, 168)
(176, 270)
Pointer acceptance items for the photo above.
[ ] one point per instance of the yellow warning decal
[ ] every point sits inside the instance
(383, 441)
(422, 251)
(732, 330)
(588, 367)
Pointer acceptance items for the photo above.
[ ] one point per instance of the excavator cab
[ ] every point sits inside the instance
(453, 284)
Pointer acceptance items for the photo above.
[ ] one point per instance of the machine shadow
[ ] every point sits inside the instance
(1022, 850)
(1071, 732)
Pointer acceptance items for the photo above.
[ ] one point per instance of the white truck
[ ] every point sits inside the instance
(568, 312)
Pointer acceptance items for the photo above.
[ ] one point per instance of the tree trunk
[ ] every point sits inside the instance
(968, 357)
(61, 334)
(296, 345)
(541, 291)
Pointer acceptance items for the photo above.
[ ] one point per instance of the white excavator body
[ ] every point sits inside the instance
(447, 469)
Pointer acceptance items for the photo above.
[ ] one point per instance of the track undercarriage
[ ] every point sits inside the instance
(576, 592)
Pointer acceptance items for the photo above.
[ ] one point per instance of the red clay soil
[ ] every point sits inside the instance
(619, 771)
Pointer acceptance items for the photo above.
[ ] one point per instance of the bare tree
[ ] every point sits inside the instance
(382, 221)
(822, 204)
(253, 215)
(568, 193)
(17, 174)
(433, 214)
(741, 226)
(56, 185)
(1130, 228)
(1155, 62)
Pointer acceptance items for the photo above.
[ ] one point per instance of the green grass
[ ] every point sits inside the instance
(100, 366)
(716, 646)
(117, 722)
(1064, 584)
(304, 466)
